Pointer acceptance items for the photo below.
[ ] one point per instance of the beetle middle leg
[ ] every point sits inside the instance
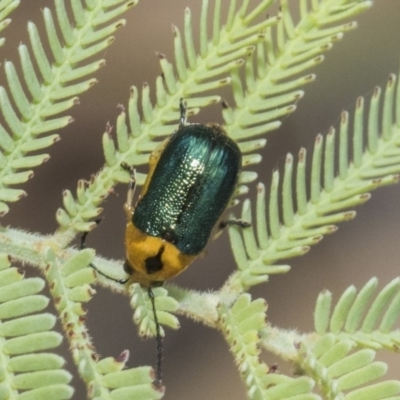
(238, 222)
(223, 224)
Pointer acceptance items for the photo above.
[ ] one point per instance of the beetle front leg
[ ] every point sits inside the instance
(128, 206)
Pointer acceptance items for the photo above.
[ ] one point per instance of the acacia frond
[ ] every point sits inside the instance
(240, 325)
(356, 318)
(54, 91)
(341, 372)
(256, 249)
(341, 358)
(70, 287)
(202, 72)
(144, 316)
(6, 8)
(272, 80)
(28, 369)
(207, 70)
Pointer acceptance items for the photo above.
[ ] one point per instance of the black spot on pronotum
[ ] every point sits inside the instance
(154, 264)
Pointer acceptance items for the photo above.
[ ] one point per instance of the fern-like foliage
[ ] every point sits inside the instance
(219, 56)
(29, 370)
(241, 324)
(372, 165)
(202, 72)
(356, 318)
(54, 91)
(288, 50)
(263, 61)
(341, 357)
(106, 378)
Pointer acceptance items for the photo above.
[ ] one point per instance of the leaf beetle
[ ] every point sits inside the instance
(192, 177)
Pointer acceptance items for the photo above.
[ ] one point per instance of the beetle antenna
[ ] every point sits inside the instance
(158, 338)
(182, 109)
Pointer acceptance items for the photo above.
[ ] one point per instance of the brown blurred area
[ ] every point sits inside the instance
(197, 362)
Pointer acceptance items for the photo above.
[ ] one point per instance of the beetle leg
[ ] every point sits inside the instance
(223, 224)
(128, 206)
(84, 235)
(182, 109)
(238, 222)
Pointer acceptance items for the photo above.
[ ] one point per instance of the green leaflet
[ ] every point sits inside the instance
(71, 287)
(358, 318)
(27, 366)
(341, 370)
(280, 230)
(240, 325)
(128, 383)
(344, 349)
(143, 315)
(271, 88)
(62, 76)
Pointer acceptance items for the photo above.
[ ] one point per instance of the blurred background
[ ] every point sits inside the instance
(197, 362)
